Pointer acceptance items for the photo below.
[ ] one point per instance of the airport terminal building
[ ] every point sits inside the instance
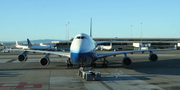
(120, 43)
(129, 43)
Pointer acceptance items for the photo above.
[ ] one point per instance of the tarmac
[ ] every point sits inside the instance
(140, 75)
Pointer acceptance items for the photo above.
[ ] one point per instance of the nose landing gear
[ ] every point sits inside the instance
(105, 62)
(69, 64)
(93, 64)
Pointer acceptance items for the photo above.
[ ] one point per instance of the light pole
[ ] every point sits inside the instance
(131, 31)
(141, 34)
(66, 31)
(68, 34)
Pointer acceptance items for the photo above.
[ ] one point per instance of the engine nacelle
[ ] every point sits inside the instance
(22, 57)
(153, 57)
(127, 61)
(44, 61)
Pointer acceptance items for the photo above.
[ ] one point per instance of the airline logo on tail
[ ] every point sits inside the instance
(29, 43)
(5, 47)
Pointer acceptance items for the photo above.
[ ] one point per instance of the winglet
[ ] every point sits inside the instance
(175, 47)
(91, 28)
(29, 43)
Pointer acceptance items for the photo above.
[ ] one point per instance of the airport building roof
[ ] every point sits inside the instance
(135, 39)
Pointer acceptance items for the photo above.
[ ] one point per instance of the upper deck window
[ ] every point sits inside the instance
(80, 37)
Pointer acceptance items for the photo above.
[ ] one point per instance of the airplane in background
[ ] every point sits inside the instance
(5, 50)
(102, 47)
(41, 44)
(39, 47)
(20, 46)
(83, 52)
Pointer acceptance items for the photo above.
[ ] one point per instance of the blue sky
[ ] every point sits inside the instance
(47, 19)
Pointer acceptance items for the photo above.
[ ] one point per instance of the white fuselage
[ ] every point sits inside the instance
(104, 47)
(42, 47)
(82, 49)
(22, 47)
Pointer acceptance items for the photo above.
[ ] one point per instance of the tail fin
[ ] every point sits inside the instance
(111, 43)
(5, 47)
(175, 47)
(91, 28)
(16, 43)
(29, 43)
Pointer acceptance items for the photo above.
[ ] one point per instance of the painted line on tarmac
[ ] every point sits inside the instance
(121, 81)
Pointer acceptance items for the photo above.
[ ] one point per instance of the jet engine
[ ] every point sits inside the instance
(44, 61)
(22, 57)
(153, 57)
(127, 61)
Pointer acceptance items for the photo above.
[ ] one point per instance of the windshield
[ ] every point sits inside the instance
(80, 37)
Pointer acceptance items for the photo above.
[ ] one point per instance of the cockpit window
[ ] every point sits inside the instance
(81, 37)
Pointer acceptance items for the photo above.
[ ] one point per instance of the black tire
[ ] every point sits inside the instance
(85, 76)
(81, 74)
(67, 65)
(105, 65)
(95, 64)
(71, 65)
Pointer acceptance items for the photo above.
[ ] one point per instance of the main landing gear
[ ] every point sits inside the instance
(69, 64)
(105, 62)
(81, 64)
(93, 64)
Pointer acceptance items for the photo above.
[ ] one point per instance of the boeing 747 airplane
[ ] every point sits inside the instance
(83, 52)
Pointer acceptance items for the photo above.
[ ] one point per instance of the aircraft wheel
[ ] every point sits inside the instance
(71, 65)
(85, 76)
(81, 74)
(105, 65)
(67, 65)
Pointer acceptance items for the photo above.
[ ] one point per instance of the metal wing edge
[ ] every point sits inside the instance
(103, 55)
(65, 54)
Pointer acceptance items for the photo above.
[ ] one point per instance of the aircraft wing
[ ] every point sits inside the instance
(103, 55)
(62, 54)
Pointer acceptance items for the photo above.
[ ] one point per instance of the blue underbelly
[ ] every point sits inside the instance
(85, 58)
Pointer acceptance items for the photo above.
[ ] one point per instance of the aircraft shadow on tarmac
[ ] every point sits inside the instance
(9, 74)
(124, 78)
(161, 67)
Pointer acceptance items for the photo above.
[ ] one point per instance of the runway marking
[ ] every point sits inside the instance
(21, 85)
(66, 82)
(117, 74)
(122, 81)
